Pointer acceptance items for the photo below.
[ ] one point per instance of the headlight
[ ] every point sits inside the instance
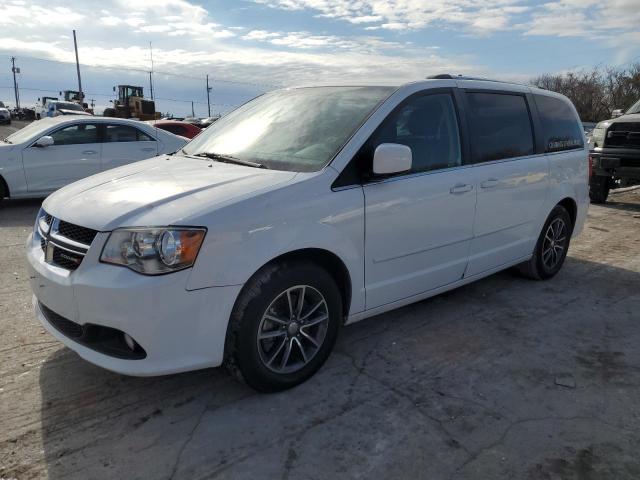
(153, 251)
(597, 136)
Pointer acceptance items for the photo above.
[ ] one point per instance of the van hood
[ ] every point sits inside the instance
(165, 190)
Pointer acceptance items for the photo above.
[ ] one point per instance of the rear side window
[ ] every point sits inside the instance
(561, 129)
(125, 133)
(175, 129)
(500, 126)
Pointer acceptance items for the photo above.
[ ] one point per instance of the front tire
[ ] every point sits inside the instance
(552, 246)
(283, 325)
(599, 188)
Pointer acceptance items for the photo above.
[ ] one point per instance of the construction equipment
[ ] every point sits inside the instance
(74, 97)
(132, 104)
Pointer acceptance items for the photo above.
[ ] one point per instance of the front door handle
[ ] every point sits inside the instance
(490, 183)
(89, 152)
(460, 188)
(148, 149)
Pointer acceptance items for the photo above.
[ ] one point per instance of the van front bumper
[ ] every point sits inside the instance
(176, 329)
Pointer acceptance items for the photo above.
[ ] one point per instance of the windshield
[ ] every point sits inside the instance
(68, 106)
(298, 130)
(29, 131)
(635, 108)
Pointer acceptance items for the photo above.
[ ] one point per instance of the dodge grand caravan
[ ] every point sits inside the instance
(301, 211)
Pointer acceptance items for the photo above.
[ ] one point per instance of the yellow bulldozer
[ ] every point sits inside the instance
(132, 104)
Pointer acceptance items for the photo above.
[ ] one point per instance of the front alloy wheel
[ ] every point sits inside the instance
(292, 329)
(284, 325)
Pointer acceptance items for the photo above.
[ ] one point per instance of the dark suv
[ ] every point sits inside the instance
(615, 154)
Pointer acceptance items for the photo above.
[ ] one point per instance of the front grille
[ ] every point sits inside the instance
(64, 326)
(66, 259)
(76, 233)
(65, 244)
(623, 134)
(106, 340)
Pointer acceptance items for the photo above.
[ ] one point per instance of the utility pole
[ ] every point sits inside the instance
(75, 46)
(15, 83)
(208, 98)
(151, 72)
(193, 113)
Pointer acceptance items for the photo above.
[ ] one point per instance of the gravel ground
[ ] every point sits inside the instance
(504, 378)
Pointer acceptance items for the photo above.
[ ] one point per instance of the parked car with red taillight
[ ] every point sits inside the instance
(183, 129)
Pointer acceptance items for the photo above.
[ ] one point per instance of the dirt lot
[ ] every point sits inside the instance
(504, 378)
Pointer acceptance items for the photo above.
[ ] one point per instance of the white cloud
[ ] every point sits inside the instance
(475, 16)
(585, 18)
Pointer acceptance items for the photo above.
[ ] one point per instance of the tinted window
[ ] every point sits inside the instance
(175, 129)
(125, 133)
(561, 129)
(428, 125)
(500, 126)
(76, 135)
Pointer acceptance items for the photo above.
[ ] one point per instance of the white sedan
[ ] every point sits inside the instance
(47, 155)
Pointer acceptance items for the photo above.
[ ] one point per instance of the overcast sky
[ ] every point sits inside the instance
(295, 42)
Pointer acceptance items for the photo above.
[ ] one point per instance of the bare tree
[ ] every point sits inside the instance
(597, 92)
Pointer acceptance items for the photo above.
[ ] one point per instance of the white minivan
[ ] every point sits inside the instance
(301, 211)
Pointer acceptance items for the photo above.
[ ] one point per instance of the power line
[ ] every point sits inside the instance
(141, 70)
(112, 95)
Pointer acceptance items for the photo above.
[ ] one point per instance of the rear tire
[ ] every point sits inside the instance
(109, 112)
(599, 188)
(3, 190)
(268, 320)
(551, 247)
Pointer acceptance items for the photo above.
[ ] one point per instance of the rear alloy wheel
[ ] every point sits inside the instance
(552, 246)
(283, 325)
(599, 188)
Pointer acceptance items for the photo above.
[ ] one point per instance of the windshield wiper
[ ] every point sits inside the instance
(6, 140)
(229, 159)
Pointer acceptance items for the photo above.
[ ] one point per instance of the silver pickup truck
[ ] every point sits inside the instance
(615, 154)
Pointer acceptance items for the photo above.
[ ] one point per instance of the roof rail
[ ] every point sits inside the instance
(448, 76)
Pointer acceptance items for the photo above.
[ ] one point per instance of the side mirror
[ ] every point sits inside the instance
(45, 141)
(390, 158)
(618, 112)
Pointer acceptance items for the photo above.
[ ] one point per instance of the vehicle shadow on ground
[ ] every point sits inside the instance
(626, 206)
(427, 391)
(19, 213)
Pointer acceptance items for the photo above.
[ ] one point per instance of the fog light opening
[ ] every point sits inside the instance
(129, 341)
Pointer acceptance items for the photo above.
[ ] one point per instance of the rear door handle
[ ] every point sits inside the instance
(89, 152)
(490, 183)
(460, 188)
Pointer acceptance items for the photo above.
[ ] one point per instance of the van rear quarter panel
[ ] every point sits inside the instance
(569, 178)
(568, 173)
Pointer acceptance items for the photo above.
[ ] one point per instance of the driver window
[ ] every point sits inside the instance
(76, 135)
(428, 125)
